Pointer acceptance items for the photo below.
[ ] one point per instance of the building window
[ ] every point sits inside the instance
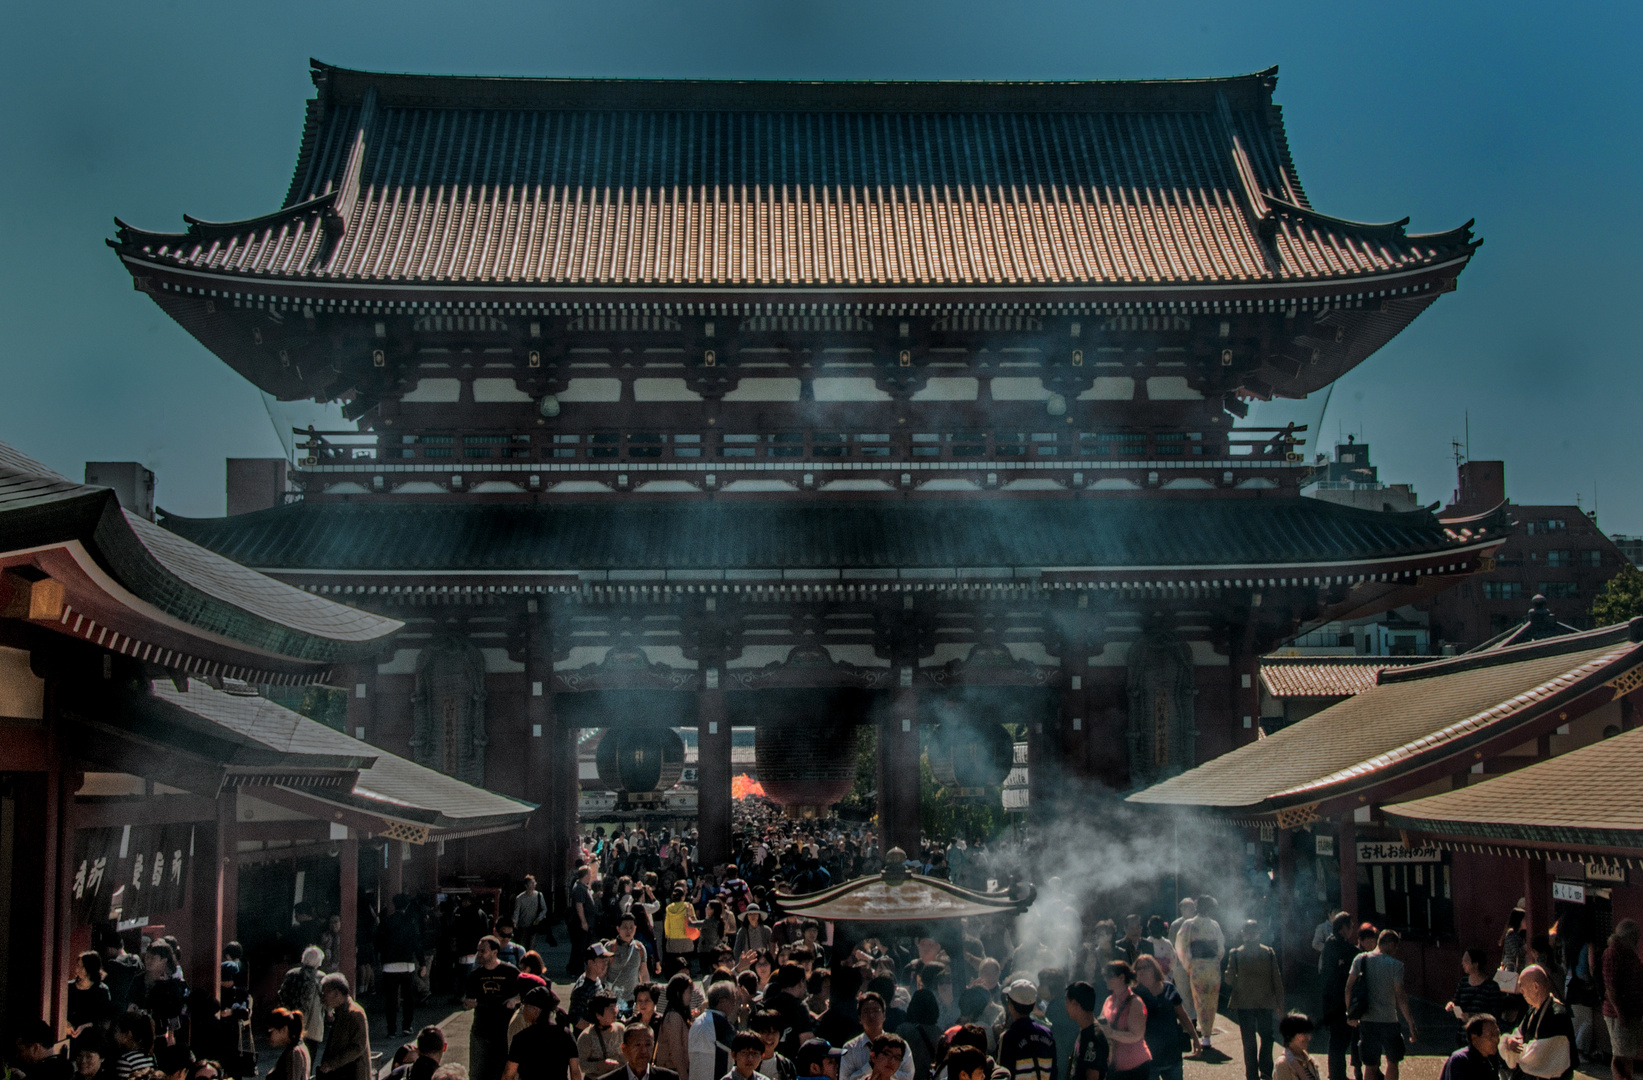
(1560, 590)
(1547, 527)
(1593, 557)
(1503, 590)
(1560, 557)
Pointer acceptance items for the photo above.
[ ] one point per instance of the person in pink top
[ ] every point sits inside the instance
(1124, 1022)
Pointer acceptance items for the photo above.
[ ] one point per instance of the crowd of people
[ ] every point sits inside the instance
(683, 972)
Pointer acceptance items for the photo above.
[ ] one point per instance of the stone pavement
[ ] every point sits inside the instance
(1425, 1061)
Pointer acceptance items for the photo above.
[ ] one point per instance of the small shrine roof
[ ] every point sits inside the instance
(1325, 676)
(1413, 717)
(707, 186)
(893, 897)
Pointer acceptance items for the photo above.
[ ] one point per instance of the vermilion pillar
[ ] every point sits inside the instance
(551, 777)
(214, 899)
(898, 778)
(348, 887)
(713, 772)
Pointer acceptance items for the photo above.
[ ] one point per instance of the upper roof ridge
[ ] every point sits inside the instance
(346, 86)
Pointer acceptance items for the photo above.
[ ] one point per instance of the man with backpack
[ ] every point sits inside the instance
(300, 990)
(1376, 1008)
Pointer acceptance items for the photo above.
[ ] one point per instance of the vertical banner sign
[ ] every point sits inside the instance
(171, 870)
(96, 853)
(158, 877)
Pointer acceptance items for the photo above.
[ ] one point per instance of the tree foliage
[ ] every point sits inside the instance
(1621, 599)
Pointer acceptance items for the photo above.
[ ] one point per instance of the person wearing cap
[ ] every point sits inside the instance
(754, 936)
(1027, 1047)
(638, 1052)
(858, 1052)
(543, 1050)
(595, 963)
(519, 1021)
(818, 1057)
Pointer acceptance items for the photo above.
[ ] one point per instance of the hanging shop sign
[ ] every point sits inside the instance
(1390, 851)
(1569, 892)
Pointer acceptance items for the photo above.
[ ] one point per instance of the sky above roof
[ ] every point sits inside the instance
(1522, 117)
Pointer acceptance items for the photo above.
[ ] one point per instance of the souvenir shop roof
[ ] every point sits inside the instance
(129, 585)
(1582, 800)
(1433, 716)
(870, 189)
(1219, 537)
(288, 758)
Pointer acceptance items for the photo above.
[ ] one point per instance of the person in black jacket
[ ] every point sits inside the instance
(399, 949)
(1335, 965)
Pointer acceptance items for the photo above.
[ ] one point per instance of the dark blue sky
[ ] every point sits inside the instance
(1525, 117)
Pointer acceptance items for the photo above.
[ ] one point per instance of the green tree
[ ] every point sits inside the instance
(1621, 599)
(864, 792)
(943, 815)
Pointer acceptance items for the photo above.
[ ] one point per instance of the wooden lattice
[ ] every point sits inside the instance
(1626, 681)
(398, 830)
(1296, 816)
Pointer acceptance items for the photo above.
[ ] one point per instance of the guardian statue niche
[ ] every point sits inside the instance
(1163, 730)
(449, 709)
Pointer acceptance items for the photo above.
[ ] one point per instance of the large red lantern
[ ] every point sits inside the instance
(806, 764)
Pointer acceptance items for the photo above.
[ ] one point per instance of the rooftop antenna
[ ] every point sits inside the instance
(1468, 434)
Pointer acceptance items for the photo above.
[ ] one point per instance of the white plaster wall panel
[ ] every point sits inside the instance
(587, 390)
(949, 388)
(1019, 388)
(1110, 388)
(435, 390)
(663, 390)
(848, 388)
(492, 391)
(764, 389)
(1171, 388)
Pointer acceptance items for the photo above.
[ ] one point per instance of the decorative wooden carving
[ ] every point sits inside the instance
(808, 666)
(449, 709)
(1163, 727)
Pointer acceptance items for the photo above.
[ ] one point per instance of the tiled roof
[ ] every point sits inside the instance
(40, 507)
(1207, 533)
(1417, 715)
(419, 179)
(1587, 797)
(1325, 676)
(388, 784)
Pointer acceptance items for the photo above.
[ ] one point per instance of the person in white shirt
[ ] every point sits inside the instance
(711, 1034)
(857, 1061)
